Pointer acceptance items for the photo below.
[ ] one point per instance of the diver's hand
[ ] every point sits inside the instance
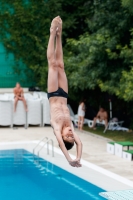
(75, 163)
(77, 160)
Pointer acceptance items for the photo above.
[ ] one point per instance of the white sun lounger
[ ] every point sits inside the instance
(19, 117)
(9, 95)
(40, 94)
(6, 113)
(115, 126)
(28, 96)
(34, 112)
(45, 107)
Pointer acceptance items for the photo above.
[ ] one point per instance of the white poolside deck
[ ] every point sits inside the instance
(94, 151)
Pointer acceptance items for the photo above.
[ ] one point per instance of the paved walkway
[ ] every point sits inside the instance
(94, 147)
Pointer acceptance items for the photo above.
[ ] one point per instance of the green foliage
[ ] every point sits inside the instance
(97, 41)
(24, 30)
(126, 85)
(128, 4)
(103, 57)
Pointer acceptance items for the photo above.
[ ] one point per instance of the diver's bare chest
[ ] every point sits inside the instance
(60, 115)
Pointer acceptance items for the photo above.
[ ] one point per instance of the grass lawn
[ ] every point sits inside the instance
(114, 135)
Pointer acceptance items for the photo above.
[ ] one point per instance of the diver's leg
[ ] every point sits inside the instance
(62, 79)
(53, 70)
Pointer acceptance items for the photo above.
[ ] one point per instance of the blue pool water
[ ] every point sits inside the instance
(22, 178)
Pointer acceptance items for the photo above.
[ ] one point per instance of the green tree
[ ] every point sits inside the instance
(102, 57)
(24, 30)
(97, 41)
(126, 82)
(128, 4)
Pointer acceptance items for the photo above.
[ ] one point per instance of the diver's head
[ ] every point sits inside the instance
(68, 137)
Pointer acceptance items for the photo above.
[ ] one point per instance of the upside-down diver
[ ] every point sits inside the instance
(58, 93)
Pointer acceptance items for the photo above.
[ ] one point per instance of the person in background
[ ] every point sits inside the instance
(101, 115)
(19, 96)
(81, 114)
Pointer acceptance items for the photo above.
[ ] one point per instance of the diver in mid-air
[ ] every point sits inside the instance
(58, 93)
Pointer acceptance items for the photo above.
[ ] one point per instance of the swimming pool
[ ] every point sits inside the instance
(23, 178)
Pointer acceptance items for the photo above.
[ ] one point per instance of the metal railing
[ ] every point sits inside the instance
(38, 144)
(45, 143)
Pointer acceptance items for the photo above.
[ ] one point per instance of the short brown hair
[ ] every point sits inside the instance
(68, 145)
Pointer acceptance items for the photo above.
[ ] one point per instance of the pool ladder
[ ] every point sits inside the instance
(46, 141)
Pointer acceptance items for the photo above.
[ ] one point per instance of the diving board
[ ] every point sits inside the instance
(118, 195)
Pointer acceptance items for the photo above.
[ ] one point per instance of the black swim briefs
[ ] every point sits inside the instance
(59, 93)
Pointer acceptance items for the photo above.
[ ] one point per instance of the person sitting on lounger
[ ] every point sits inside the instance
(58, 93)
(102, 115)
(19, 96)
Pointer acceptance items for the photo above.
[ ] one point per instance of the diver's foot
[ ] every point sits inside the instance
(59, 29)
(54, 26)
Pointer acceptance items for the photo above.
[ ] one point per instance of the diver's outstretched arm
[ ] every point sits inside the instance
(78, 144)
(73, 163)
